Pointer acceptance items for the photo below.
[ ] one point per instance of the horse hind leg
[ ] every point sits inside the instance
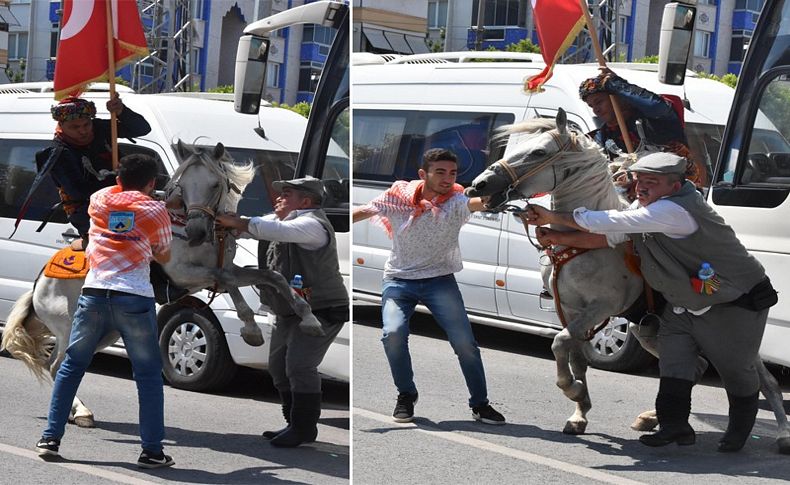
(770, 389)
(577, 423)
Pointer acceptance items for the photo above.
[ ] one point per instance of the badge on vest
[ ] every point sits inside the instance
(121, 222)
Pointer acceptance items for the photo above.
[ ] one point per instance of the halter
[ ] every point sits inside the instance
(515, 180)
(211, 208)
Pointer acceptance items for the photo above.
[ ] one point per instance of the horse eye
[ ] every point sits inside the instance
(539, 153)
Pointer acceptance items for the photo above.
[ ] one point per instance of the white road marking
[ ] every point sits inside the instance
(502, 450)
(87, 469)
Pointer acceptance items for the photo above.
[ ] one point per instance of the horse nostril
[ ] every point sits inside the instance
(480, 185)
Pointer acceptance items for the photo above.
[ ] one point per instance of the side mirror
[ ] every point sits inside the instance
(251, 57)
(677, 32)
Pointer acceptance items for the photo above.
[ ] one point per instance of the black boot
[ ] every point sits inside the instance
(165, 291)
(673, 406)
(304, 420)
(743, 412)
(285, 397)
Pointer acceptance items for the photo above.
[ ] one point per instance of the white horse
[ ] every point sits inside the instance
(208, 182)
(595, 284)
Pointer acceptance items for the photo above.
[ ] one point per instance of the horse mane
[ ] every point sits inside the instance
(589, 177)
(238, 174)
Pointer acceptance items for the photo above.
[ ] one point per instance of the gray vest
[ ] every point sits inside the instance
(319, 268)
(669, 264)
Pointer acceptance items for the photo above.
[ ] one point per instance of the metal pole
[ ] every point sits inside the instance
(479, 31)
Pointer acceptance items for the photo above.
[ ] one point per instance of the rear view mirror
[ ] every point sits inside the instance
(677, 32)
(250, 73)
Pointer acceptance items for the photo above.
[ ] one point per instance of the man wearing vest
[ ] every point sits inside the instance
(723, 316)
(298, 239)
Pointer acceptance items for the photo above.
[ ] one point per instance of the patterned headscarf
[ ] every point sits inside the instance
(73, 108)
(592, 85)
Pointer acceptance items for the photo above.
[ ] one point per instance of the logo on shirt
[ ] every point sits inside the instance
(121, 222)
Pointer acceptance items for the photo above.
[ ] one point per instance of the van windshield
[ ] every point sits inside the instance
(258, 197)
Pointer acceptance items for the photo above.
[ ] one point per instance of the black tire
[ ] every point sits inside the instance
(195, 355)
(613, 348)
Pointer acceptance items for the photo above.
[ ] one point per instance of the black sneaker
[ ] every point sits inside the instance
(152, 460)
(404, 409)
(488, 415)
(48, 446)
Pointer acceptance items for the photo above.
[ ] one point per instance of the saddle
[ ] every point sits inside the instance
(67, 264)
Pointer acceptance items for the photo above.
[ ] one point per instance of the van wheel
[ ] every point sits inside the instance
(194, 352)
(613, 348)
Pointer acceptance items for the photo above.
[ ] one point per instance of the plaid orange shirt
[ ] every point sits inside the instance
(127, 228)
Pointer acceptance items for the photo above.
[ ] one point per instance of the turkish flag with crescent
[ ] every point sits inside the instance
(558, 22)
(82, 55)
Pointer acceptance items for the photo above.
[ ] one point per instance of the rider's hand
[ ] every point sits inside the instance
(115, 105)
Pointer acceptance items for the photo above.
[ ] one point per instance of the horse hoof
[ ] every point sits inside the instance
(253, 338)
(85, 421)
(784, 445)
(646, 421)
(575, 392)
(575, 427)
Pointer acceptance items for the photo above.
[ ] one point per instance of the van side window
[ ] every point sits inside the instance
(258, 198)
(162, 176)
(768, 157)
(17, 171)
(335, 173)
(388, 144)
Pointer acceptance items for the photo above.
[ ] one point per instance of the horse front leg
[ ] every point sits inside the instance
(561, 347)
(238, 276)
(577, 423)
(770, 389)
(250, 332)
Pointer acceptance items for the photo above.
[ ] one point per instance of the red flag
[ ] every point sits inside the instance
(82, 49)
(558, 22)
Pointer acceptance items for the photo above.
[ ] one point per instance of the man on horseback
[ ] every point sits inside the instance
(128, 229)
(662, 125)
(723, 315)
(423, 218)
(298, 240)
(81, 164)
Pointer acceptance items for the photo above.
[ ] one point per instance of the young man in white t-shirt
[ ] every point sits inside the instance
(423, 218)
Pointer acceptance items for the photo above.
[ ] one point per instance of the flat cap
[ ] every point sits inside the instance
(305, 184)
(663, 163)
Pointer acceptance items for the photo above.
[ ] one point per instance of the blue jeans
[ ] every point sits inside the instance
(135, 318)
(443, 298)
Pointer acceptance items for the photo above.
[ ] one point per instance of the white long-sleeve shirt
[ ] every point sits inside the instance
(307, 232)
(662, 216)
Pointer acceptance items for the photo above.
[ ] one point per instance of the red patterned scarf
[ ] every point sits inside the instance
(406, 198)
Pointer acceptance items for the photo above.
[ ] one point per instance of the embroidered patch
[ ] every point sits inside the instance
(121, 222)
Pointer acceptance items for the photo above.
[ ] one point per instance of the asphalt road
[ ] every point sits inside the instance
(444, 445)
(214, 438)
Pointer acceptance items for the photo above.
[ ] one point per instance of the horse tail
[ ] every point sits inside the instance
(26, 337)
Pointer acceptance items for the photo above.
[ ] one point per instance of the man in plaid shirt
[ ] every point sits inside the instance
(128, 230)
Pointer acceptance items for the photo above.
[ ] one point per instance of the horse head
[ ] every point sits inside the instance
(548, 157)
(204, 183)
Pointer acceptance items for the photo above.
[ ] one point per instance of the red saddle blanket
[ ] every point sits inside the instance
(67, 264)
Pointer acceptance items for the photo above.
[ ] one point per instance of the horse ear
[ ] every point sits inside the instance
(182, 150)
(562, 121)
(219, 150)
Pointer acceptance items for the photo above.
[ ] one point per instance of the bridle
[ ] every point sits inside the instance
(210, 208)
(515, 179)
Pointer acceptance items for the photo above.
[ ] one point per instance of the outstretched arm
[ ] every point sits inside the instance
(575, 239)
(540, 216)
(361, 213)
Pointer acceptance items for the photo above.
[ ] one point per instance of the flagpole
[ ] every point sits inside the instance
(602, 62)
(111, 78)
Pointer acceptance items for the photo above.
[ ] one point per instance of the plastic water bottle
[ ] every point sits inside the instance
(297, 284)
(705, 272)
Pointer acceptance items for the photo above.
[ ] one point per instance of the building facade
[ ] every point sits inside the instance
(383, 27)
(296, 57)
(723, 28)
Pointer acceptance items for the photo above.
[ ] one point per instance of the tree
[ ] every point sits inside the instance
(302, 108)
(16, 76)
(228, 88)
(437, 45)
(524, 45)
